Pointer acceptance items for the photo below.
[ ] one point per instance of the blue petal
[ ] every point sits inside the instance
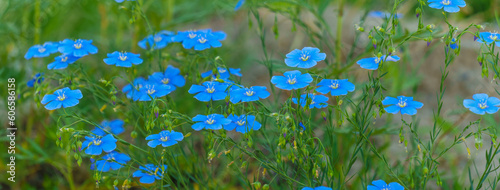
(379, 183)
(408, 111)
(147, 179)
(392, 109)
(53, 105)
(395, 186)
(480, 96)
(389, 101)
(451, 8)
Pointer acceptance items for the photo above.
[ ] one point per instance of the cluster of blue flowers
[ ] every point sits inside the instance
(197, 39)
(70, 51)
(241, 123)
(158, 85)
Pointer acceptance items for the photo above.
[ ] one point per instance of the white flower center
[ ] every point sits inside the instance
(64, 59)
(292, 80)
(164, 138)
(483, 104)
(334, 85)
(241, 122)
(402, 103)
(122, 57)
(165, 80)
(210, 121)
(304, 57)
(151, 89)
(157, 38)
(77, 45)
(249, 92)
(41, 49)
(97, 142)
(446, 2)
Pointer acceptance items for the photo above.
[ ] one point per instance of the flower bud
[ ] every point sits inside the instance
(418, 11)
(133, 134)
(256, 185)
(266, 187)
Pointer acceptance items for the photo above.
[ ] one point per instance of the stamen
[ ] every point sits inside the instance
(151, 89)
(64, 59)
(446, 2)
(61, 96)
(77, 45)
(202, 40)
(164, 138)
(304, 57)
(249, 92)
(210, 121)
(211, 89)
(241, 122)
(122, 57)
(97, 142)
(483, 104)
(335, 85)
(292, 80)
(41, 49)
(191, 35)
(157, 38)
(165, 80)
(402, 103)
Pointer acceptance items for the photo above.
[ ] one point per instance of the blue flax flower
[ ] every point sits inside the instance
(453, 44)
(171, 77)
(248, 94)
(41, 50)
(224, 74)
(38, 78)
(306, 58)
(213, 121)
(132, 90)
(112, 160)
(114, 127)
(239, 4)
(158, 40)
(201, 39)
(481, 104)
(151, 90)
(123, 59)
(381, 185)
(62, 61)
(64, 97)
(78, 48)
(450, 6)
(292, 80)
(317, 188)
(150, 173)
(121, 1)
(242, 123)
(94, 145)
(335, 87)
(317, 101)
(372, 63)
(210, 90)
(489, 37)
(165, 138)
(383, 15)
(404, 104)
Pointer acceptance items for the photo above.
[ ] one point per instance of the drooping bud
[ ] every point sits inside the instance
(418, 11)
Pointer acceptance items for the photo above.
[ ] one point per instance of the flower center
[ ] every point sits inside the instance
(151, 89)
(334, 85)
(77, 45)
(493, 36)
(211, 89)
(210, 121)
(446, 2)
(157, 38)
(165, 81)
(97, 142)
(41, 49)
(483, 105)
(122, 57)
(378, 60)
(292, 80)
(304, 57)
(241, 122)
(402, 103)
(222, 70)
(202, 40)
(164, 138)
(191, 35)
(61, 97)
(64, 59)
(249, 92)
